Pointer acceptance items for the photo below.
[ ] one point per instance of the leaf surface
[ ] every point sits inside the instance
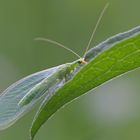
(115, 56)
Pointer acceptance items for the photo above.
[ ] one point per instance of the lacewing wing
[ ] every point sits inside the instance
(10, 111)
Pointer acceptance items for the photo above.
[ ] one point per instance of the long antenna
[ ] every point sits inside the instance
(95, 28)
(58, 44)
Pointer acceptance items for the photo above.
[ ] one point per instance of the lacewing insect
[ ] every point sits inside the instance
(20, 97)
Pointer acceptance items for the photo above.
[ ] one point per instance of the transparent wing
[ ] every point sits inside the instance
(10, 111)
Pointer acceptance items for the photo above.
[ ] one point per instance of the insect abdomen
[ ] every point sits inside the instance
(38, 90)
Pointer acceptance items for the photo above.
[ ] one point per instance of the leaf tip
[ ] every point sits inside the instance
(31, 136)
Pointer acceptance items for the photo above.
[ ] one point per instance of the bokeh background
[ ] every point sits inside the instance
(111, 111)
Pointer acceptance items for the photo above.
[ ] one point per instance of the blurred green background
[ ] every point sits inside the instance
(110, 112)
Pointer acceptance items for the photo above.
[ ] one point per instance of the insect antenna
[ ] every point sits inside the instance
(95, 29)
(58, 44)
(82, 59)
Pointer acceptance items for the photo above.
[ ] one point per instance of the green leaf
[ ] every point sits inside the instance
(114, 57)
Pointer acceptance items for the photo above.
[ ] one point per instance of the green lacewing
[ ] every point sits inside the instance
(20, 97)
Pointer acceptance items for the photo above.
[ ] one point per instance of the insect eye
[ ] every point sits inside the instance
(82, 61)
